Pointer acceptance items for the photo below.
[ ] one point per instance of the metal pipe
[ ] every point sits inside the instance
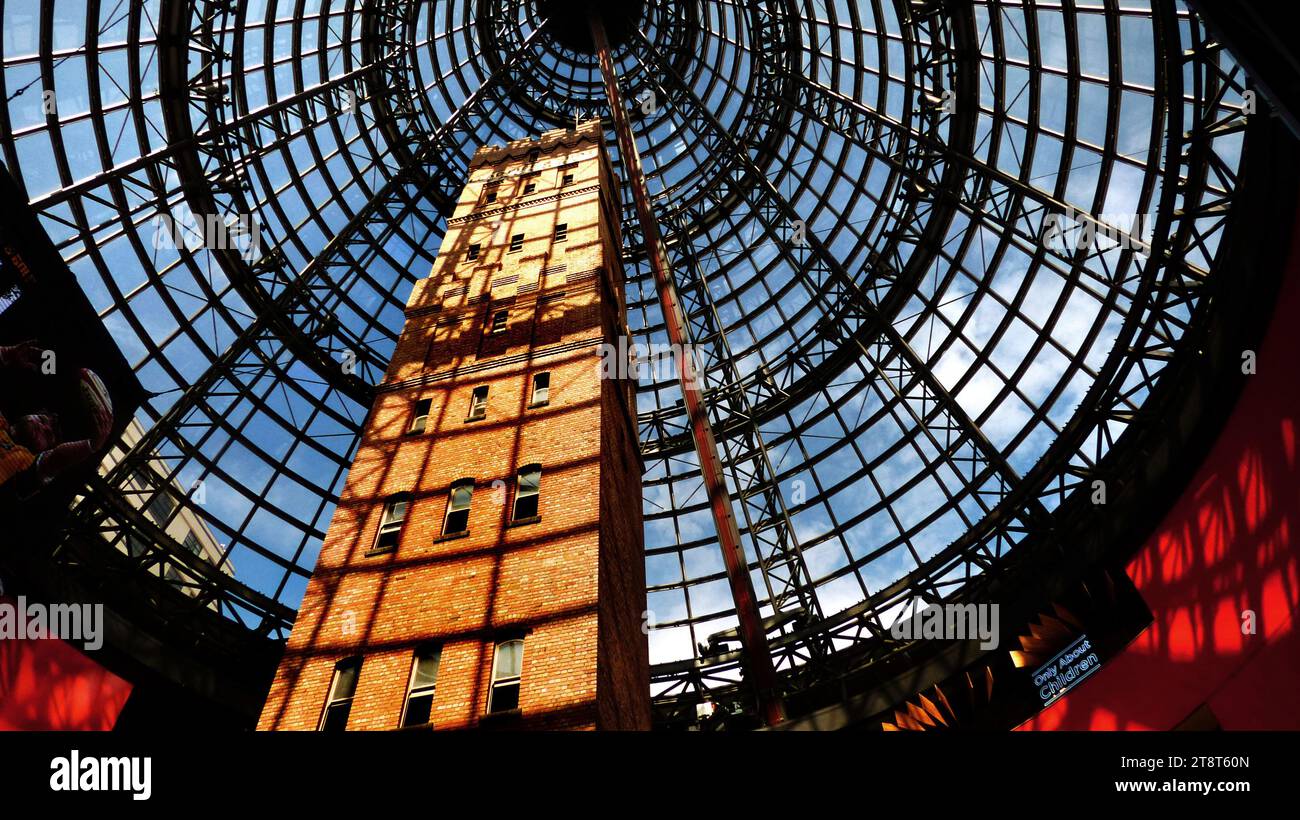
(758, 660)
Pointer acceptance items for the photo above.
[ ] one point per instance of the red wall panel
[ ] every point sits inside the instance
(1229, 545)
(50, 685)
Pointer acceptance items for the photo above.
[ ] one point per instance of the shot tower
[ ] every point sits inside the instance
(485, 567)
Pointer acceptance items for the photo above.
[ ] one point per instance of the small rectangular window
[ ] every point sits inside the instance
(507, 674)
(458, 502)
(161, 505)
(530, 183)
(478, 403)
(516, 243)
(541, 389)
(490, 192)
(472, 253)
(424, 680)
(390, 525)
(499, 321)
(419, 416)
(533, 155)
(338, 704)
(192, 543)
(528, 493)
(566, 174)
(561, 231)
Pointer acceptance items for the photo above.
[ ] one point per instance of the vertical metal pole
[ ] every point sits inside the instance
(753, 637)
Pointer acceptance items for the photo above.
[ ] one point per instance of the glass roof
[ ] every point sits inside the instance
(917, 442)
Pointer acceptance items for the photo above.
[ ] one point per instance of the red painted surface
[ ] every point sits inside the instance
(1230, 544)
(50, 685)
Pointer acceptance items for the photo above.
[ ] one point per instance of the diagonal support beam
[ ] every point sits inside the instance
(758, 658)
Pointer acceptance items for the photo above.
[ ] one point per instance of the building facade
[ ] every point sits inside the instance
(485, 567)
(148, 488)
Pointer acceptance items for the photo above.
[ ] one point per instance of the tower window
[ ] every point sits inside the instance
(490, 192)
(533, 155)
(458, 507)
(338, 705)
(561, 231)
(528, 493)
(161, 505)
(566, 174)
(390, 526)
(424, 680)
(541, 389)
(478, 404)
(499, 321)
(516, 243)
(507, 671)
(472, 252)
(530, 183)
(419, 416)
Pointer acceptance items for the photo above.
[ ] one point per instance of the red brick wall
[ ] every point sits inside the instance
(572, 583)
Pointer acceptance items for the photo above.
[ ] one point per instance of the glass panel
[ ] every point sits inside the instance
(420, 415)
(529, 480)
(345, 681)
(396, 512)
(426, 669)
(336, 717)
(418, 709)
(478, 403)
(510, 660)
(460, 496)
(458, 509)
(505, 696)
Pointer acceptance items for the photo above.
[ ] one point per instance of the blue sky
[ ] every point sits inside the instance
(850, 491)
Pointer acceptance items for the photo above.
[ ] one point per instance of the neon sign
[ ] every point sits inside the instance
(1067, 670)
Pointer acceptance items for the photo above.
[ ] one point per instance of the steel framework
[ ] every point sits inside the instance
(905, 379)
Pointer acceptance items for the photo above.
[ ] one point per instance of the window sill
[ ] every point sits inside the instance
(536, 405)
(472, 419)
(451, 536)
(523, 522)
(506, 716)
(419, 727)
(379, 551)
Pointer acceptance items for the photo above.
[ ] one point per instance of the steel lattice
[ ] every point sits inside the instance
(906, 381)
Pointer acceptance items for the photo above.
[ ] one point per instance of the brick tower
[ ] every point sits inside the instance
(484, 566)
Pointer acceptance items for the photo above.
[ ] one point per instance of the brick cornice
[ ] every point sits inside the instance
(495, 362)
(475, 216)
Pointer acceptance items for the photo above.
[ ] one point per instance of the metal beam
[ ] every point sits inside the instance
(758, 659)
